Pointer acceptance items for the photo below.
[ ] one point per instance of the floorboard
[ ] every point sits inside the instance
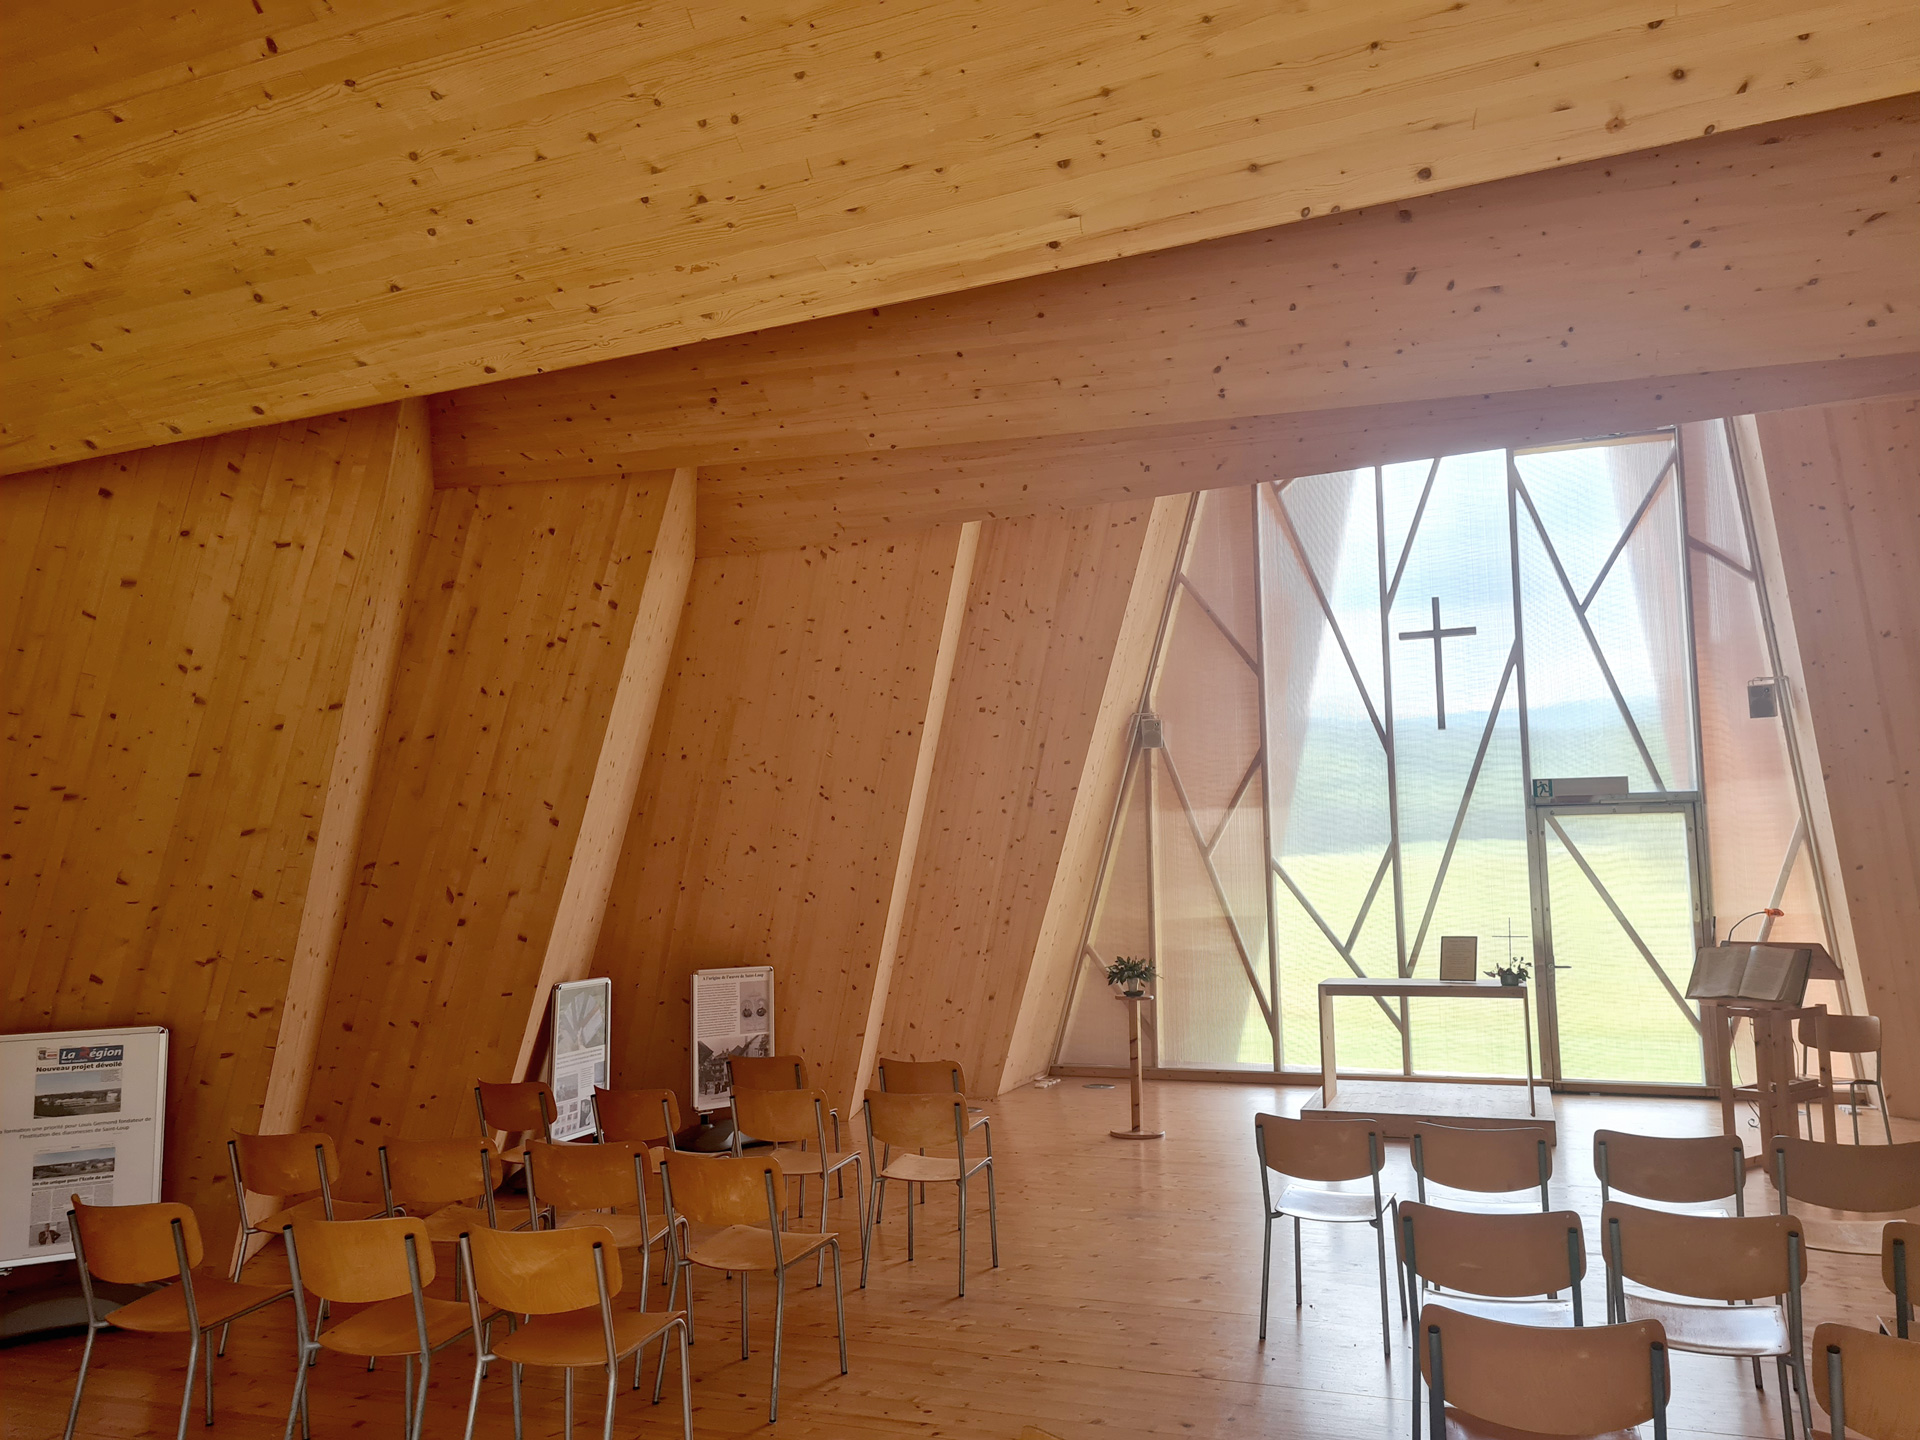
(1125, 1305)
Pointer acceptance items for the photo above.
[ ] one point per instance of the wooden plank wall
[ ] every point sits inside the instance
(181, 628)
(1844, 481)
(1042, 620)
(776, 801)
(518, 628)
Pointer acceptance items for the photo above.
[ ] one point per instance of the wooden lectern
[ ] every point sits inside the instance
(1778, 1090)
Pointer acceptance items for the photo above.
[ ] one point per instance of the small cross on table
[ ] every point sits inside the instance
(1436, 634)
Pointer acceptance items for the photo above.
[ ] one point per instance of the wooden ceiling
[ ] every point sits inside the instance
(218, 218)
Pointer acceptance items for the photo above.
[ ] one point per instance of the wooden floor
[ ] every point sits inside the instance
(1125, 1305)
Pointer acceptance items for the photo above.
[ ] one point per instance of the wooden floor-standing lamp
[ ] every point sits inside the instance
(1136, 1071)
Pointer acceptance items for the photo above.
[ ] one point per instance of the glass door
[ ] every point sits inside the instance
(1619, 912)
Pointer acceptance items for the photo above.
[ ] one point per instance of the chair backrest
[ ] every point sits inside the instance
(133, 1244)
(1709, 1257)
(431, 1173)
(1845, 1034)
(916, 1122)
(725, 1189)
(920, 1077)
(286, 1164)
(1546, 1380)
(359, 1261)
(543, 1272)
(1878, 1389)
(1501, 1255)
(782, 1116)
(768, 1072)
(1487, 1161)
(645, 1117)
(1874, 1179)
(588, 1177)
(522, 1107)
(1323, 1150)
(1674, 1169)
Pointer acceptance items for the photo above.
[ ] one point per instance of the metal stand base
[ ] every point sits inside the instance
(1138, 1134)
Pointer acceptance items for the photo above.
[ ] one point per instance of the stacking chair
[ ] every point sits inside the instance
(916, 1123)
(1522, 1382)
(286, 1168)
(1868, 1384)
(1899, 1262)
(1508, 1263)
(1323, 1151)
(386, 1266)
(520, 1107)
(1745, 1258)
(767, 1072)
(743, 1197)
(799, 1117)
(931, 1077)
(1866, 1179)
(592, 1186)
(1697, 1170)
(449, 1184)
(639, 1117)
(563, 1282)
(1484, 1162)
(142, 1244)
(1856, 1037)
(298, 1170)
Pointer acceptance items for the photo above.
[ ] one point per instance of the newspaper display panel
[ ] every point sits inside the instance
(578, 1052)
(81, 1113)
(732, 1015)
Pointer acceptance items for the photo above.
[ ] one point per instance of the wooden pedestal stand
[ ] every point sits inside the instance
(1776, 1092)
(1134, 1002)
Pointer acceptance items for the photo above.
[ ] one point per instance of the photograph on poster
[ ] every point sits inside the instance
(582, 1027)
(732, 1016)
(61, 1092)
(57, 1176)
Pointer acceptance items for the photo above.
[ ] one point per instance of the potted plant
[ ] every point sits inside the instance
(1131, 975)
(1512, 971)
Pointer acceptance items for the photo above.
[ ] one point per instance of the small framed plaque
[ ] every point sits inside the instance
(1459, 957)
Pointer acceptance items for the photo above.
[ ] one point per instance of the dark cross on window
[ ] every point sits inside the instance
(1436, 634)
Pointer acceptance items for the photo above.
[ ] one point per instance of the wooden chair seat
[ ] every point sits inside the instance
(627, 1231)
(578, 1337)
(1844, 1237)
(1465, 1427)
(750, 1247)
(314, 1208)
(389, 1327)
(814, 1162)
(925, 1169)
(447, 1224)
(1341, 1207)
(1741, 1331)
(1508, 1312)
(164, 1312)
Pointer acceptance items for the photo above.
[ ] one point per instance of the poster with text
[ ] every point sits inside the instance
(732, 1015)
(578, 1052)
(81, 1113)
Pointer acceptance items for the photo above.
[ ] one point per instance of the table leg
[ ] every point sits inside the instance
(1826, 1082)
(1329, 1070)
(1526, 1024)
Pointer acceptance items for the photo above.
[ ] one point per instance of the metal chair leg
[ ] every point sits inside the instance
(839, 1306)
(186, 1397)
(473, 1398)
(613, 1384)
(993, 1216)
(686, 1385)
(779, 1327)
(295, 1410)
(86, 1358)
(743, 1314)
(1298, 1296)
(420, 1395)
(910, 1223)
(963, 1235)
(1386, 1330)
(1266, 1265)
(519, 1420)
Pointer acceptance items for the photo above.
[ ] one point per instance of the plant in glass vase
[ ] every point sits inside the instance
(1131, 974)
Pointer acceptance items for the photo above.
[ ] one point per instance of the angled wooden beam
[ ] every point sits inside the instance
(240, 217)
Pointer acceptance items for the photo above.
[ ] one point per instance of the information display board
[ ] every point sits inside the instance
(579, 1043)
(732, 1015)
(82, 1112)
